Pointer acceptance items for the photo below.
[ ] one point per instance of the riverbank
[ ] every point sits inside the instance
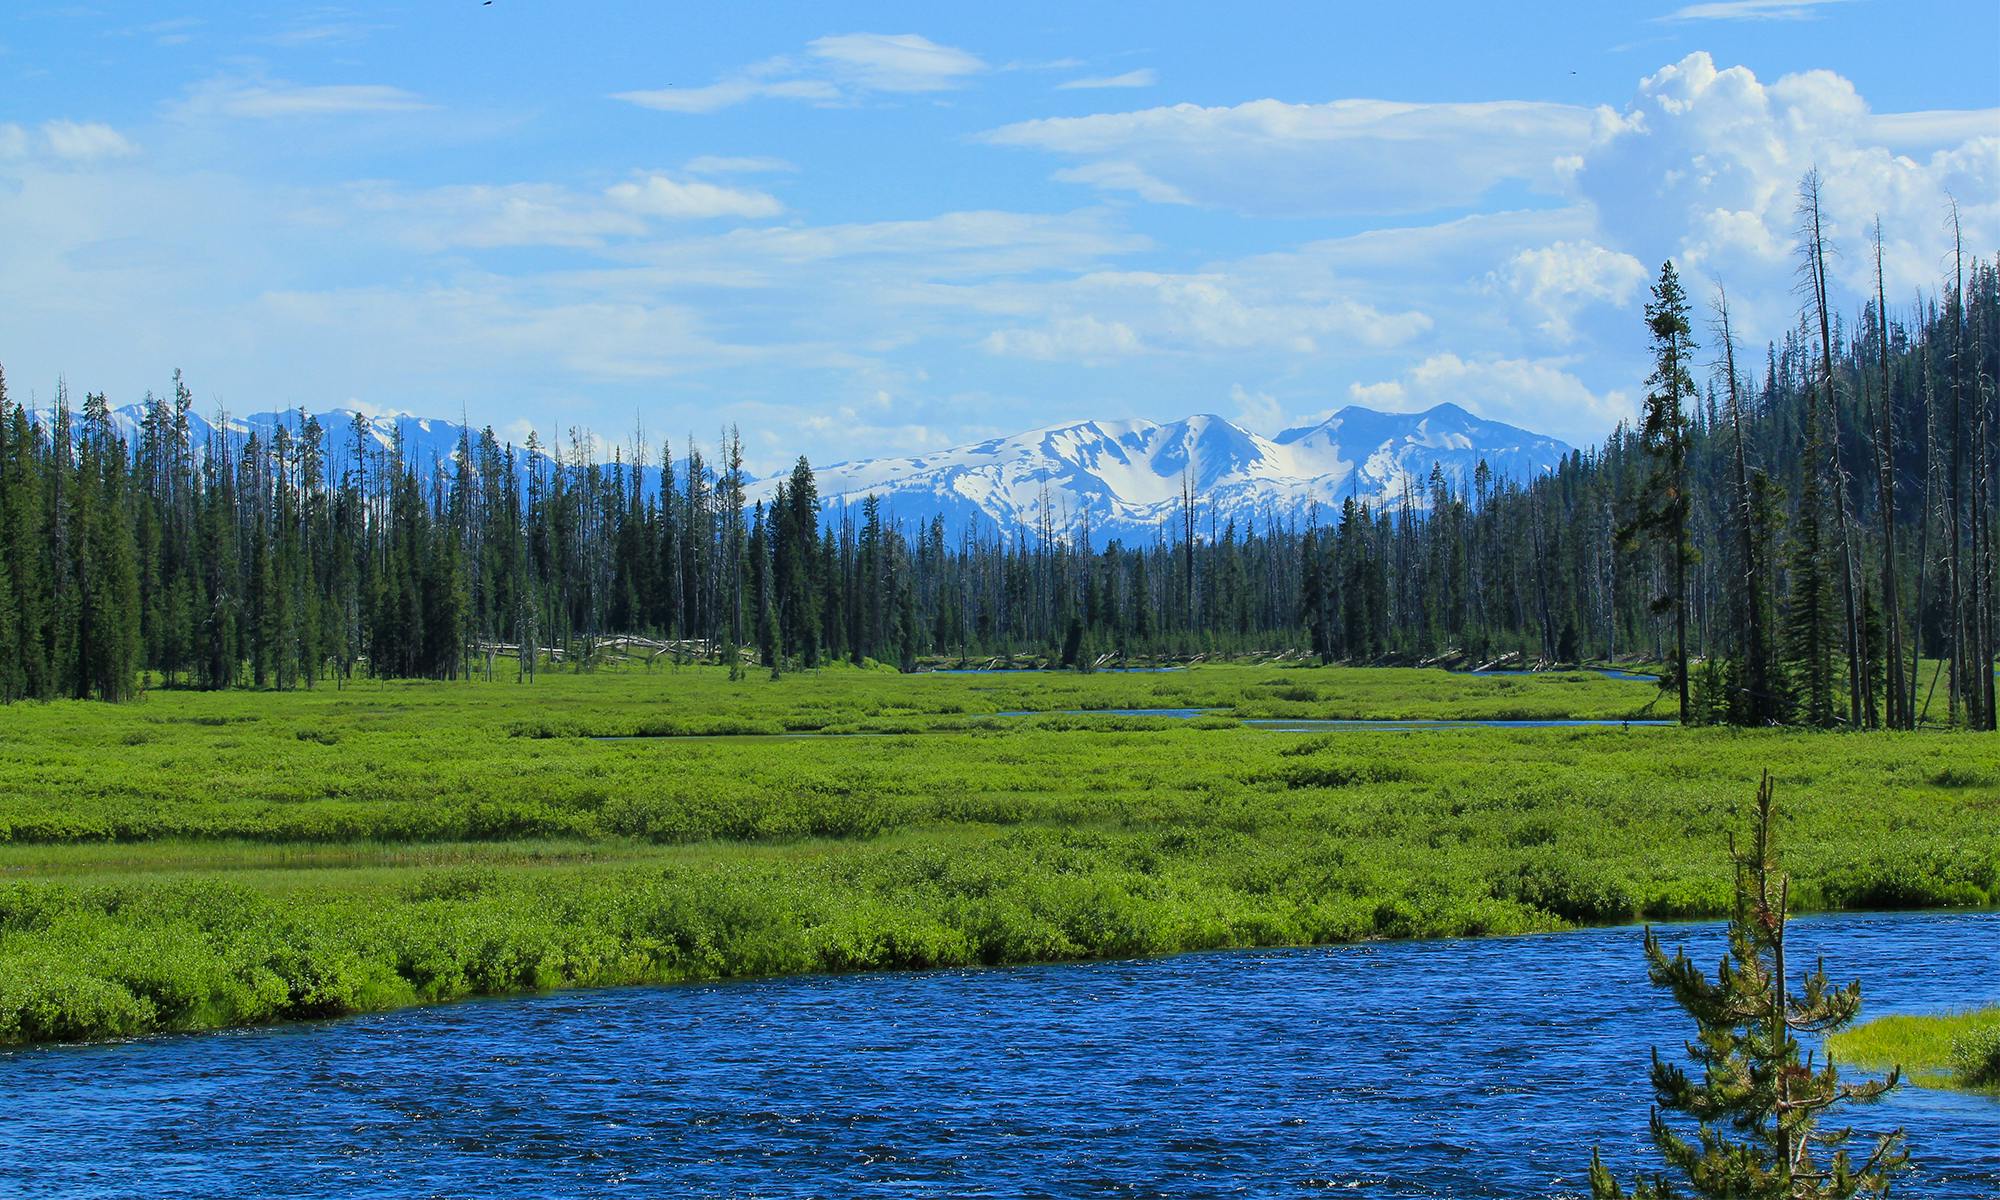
(197, 861)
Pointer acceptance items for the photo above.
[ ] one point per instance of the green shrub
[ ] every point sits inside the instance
(1570, 890)
(59, 1004)
(451, 883)
(1975, 1056)
(1342, 774)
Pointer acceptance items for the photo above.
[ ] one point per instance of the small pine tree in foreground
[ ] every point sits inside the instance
(1758, 1106)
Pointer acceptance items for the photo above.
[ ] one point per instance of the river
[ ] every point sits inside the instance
(1437, 1068)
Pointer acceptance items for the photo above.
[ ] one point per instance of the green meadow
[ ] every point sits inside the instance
(195, 860)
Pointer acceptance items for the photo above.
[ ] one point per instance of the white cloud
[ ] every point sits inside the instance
(1910, 131)
(1341, 157)
(730, 92)
(1751, 10)
(547, 214)
(717, 164)
(493, 215)
(949, 246)
(1142, 78)
(1083, 339)
(1706, 169)
(834, 70)
(326, 34)
(1121, 176)
(1529, 316)
(85, 141)
(1559, 279)
(896, 62)
(1230, 308)
(659, 196)
(1539, 395)
(501, 323)
(1258, 412)
(276, 99)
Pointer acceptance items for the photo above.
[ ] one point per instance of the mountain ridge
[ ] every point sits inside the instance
(1122, 478)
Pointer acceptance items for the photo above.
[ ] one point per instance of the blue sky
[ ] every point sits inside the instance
(886, 228)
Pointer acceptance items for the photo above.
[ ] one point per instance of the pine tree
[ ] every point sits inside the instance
(1662, 517)
(24, 662)
(103, 566)
(1758, 1105)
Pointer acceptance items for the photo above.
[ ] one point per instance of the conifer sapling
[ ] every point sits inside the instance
(1759, 1102)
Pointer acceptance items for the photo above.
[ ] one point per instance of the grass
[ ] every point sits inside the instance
(199, 860)
(1957, 1050)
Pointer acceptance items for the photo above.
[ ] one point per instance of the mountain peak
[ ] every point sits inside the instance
(1124, 478)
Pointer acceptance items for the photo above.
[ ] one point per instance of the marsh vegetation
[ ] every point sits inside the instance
(206, 859)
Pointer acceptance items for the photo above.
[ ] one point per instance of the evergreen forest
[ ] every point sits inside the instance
(1800, 533)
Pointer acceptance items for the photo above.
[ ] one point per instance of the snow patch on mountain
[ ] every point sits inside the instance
(1124, 479)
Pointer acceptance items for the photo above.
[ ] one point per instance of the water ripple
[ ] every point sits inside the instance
(1460, 1068)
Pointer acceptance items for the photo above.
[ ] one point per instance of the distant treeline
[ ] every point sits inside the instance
(1814, 533)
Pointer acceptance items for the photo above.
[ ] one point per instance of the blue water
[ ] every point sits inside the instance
(1443, 1068)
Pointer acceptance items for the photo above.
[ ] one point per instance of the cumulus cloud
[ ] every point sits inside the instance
(77, 141)
(1702, 165)
(1557, 280)
(13, 141)
(1340, 157)
(1540, 395)
(836, 69)
(1706, 168)
(1141, 78)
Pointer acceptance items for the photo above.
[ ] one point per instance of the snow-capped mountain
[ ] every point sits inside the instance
(1125, 477)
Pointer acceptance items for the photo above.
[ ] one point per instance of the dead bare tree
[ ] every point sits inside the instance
(1897, 716)
(1812, 230)
(1752, 585)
